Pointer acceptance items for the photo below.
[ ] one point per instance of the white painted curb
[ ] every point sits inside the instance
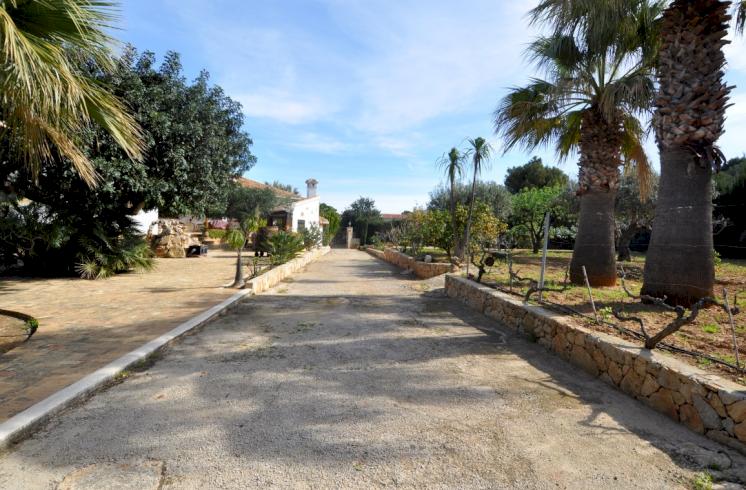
(23, 423)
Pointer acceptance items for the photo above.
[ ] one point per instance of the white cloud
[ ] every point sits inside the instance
(282, 106)
(319, 143)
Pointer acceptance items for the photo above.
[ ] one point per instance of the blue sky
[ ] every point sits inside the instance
(365, 95)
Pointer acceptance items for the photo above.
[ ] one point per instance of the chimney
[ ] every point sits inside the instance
(311, 187)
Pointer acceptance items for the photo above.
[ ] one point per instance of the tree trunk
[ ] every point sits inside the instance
(679, 263)
(468, 219)
(624, 254)
(594, 242)
(238, 281)
(458, 250)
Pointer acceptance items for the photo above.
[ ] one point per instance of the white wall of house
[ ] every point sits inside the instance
(144, 219)
(307, 211)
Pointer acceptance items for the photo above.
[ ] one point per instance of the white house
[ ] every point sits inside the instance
(296, 212)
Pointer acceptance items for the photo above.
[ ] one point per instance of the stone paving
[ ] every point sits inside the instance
(86, 324)
(353, 375)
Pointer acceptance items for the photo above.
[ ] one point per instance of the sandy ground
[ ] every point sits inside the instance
(354, 375)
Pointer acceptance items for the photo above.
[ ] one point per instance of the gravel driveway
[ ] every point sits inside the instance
(354, 375)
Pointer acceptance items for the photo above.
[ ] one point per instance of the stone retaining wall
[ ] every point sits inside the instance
(423, 270)
(704, 402)
(274, 276)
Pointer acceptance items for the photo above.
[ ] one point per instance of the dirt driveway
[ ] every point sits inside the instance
(352, 376)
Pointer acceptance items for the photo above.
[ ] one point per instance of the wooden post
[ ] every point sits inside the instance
(590, 295)
(732, 327)
(510, 271)
(544, 255)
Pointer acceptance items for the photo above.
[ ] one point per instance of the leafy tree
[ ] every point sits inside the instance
(479, 151)
(311, 237)
(534, 174)
(453, 165)
(529, 208)
(363, 213)
(332, 216)
(493, 194)
(48, 101)
(589, 102)
(632, 213)
(195, 142)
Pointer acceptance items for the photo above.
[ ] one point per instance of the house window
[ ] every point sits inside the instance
(301, 224)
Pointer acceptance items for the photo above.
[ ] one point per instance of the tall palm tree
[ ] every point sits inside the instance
(46, 102)
(590, 103)
(480, 151)
(453, 165)
(689, 116)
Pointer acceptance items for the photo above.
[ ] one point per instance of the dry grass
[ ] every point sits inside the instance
(709, 334)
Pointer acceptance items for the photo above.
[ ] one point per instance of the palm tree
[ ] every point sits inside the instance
(590, 103)
(236, 238)
(689, 116)
(453, 165)
(480, 152)
(46, 100)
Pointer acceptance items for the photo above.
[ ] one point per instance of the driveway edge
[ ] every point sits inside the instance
(28, 421)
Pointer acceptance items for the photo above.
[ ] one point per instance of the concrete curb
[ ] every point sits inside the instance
(28, 421)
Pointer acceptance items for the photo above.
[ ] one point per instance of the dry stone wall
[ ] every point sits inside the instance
(423, 270)
(704, 402)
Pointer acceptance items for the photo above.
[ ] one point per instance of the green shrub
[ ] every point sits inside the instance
(102, 256)
(311, 237)
(284, 246)
(216, 234)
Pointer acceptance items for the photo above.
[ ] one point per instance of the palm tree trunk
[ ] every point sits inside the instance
(594, 242)
(679, 263)
(598, 179)
(457, 248)
(468, 219)
(238, 281)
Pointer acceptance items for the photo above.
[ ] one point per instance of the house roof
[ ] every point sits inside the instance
(253, 184)
(391, 216)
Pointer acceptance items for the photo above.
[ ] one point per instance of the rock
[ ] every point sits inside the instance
(649, 386)
(740, 431)
(668, 379)
(730, 398)
(615, 372)
(737, 411)
(716, 404)
(689, 417)
(580, 356)
(662, 401)
(600, 360)
(703, 457)
(428, 258)
(729, 426)
(641, 366)
(631, 383)
(709, 416)
(173, 239)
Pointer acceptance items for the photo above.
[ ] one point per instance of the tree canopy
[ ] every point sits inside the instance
(534, 174)
(493, 194)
